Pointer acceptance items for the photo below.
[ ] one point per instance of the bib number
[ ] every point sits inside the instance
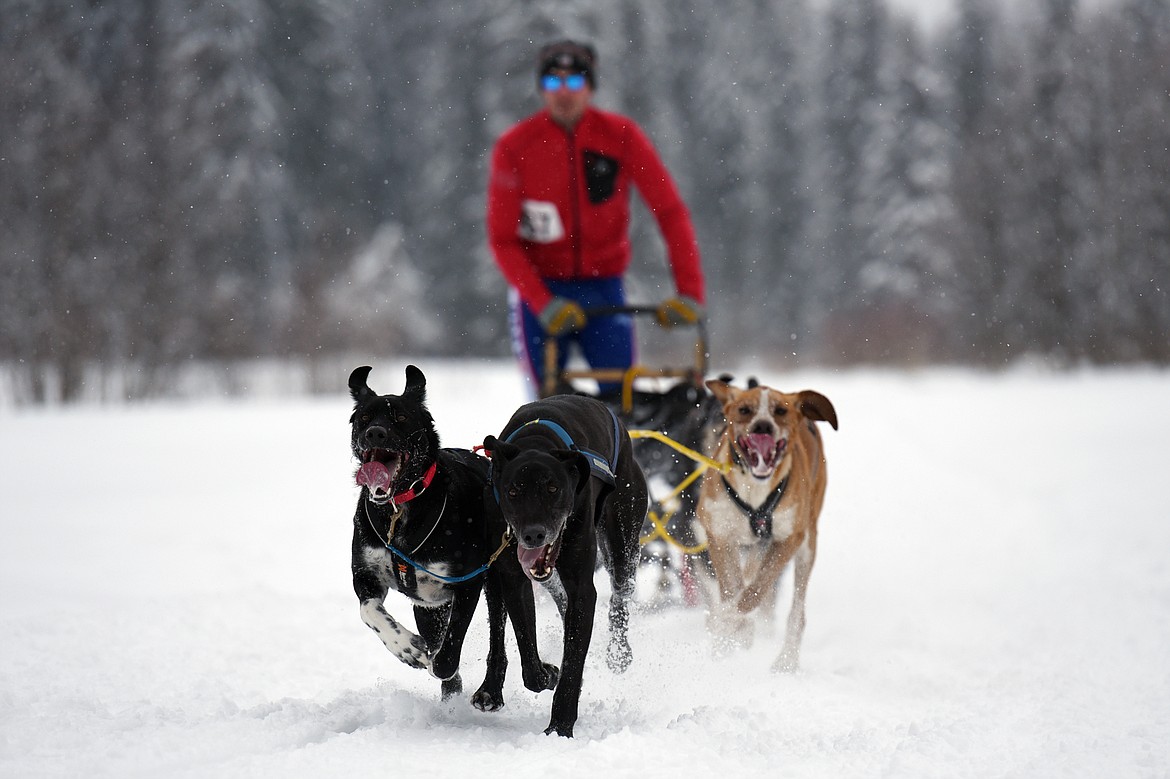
(540, 222)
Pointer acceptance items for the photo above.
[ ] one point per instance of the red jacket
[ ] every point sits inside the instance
(558, 204)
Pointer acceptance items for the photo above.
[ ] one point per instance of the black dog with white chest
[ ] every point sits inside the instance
(421, 528)
(565, 480)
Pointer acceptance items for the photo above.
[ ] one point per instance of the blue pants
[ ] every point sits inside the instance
(605, 342)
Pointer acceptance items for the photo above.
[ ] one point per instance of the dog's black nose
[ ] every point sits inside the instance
(533, 538)
(376, 436)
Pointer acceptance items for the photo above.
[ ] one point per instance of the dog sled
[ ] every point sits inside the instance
(673, 419)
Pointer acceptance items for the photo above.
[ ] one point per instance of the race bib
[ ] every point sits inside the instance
(540, 222)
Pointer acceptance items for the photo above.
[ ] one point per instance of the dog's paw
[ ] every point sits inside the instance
(744, 632)
(487, 701)
(451, 687)
(544, 679)
(729, 629)
(415, 654)
(561, 729)
(785, 665)
(415, 661)
(403, 644)
(748, 601)
(788, 661)
(618, 656)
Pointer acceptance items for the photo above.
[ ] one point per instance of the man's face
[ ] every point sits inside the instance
(564, 103)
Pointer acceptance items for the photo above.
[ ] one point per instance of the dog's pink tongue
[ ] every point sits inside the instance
(374, 475)
(760, 449)
(762, 445)
(531, 559)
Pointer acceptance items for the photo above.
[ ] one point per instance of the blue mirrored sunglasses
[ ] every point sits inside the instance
(574, 81)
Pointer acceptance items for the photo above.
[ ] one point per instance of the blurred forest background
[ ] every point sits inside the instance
(202, 181)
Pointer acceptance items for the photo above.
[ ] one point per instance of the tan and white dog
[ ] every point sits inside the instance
(762, 512)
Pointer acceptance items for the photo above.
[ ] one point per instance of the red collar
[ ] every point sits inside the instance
(418, 487)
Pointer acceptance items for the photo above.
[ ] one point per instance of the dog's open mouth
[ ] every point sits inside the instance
(377, 472)
(762, 452)
(538, 563)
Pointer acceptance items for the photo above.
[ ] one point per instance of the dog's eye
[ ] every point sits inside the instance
(366, 419)
(780, 411)
(745, 411)
(401, 417)
(552, 488)
(513, 492)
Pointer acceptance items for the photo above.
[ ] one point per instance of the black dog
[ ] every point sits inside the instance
(566, 482)
(420, 528)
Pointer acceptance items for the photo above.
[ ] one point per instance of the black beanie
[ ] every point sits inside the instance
(567, 55)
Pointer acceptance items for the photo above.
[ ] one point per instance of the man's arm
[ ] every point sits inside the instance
(658, 189)
(503, 223)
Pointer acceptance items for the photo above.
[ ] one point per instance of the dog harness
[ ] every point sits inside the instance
(402, 565)
(400, 569)
(603, 469)
(759, 519)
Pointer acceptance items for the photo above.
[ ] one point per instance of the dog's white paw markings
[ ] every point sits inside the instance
(785, 665)
(789, 659)
(729, 629)
(618, 656)
(403, 644)
(414, 655)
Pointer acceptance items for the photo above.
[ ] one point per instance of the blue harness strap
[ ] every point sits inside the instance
(404, 571)
(396, 552)
(606, 470)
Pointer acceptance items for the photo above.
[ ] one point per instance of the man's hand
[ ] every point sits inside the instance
(562, 316)
(679, 311)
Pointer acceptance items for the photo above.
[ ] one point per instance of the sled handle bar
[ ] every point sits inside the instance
(694, 372)
(642, 310)
(624, 309)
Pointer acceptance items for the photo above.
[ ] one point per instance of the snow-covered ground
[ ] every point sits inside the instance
(991, 598)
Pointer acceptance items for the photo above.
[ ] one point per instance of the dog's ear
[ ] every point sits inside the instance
(722, 391)
(575, 459)
(816, 406)
(499, 450)
(416, 384)
(358, 389)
